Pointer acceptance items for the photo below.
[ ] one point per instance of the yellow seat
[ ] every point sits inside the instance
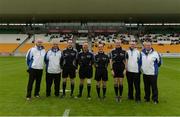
(159, 48)
(10, 47)
(7, 47)
(47, 46)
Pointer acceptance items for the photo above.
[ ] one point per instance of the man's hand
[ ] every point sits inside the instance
(124, 72)
(76, 71)
(28, 70)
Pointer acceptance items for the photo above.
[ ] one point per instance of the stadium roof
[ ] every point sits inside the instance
(90, 10)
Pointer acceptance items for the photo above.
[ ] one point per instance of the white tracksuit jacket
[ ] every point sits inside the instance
(35, 57)
(150, 61)
(133, 61)
(52, 60)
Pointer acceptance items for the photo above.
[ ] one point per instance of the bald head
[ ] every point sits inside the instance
(38, 42)
(55, 43)
(147, 45)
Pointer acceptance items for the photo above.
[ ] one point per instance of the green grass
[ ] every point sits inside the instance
(13, 81)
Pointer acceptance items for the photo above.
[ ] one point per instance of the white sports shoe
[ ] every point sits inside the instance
(89, 98)
(37, 96)
(28, 99)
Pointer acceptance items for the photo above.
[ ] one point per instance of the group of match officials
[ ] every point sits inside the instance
(65, 63)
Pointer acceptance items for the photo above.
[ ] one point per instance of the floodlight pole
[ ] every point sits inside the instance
(33, 25)
(130, 18)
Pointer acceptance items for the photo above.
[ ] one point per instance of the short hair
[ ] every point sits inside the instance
(147, 40)
(101, 44)
(69, 40)
(118, 40)
(85, 42)
(132, 41)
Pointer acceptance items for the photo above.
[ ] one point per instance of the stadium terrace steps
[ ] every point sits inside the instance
(12, 38)
(8, 48)
(47, 46)
(21, 44)
(160, 48)
(167, 48)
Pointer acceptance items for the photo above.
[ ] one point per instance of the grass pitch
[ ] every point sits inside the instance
(13, 82)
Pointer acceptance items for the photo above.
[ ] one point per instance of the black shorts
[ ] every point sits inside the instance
(69, 72)
(118, 70)
(101, 74)
(85, 72)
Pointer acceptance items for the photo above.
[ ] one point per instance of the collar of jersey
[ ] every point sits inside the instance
(55, 49)
(39, 47)
(119, 48)
(145, 51)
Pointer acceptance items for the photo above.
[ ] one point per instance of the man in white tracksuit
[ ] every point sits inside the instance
(151, 62)
(133, 71)
(35, 63)
(53, 70)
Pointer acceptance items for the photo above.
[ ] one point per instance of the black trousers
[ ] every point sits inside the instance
(50, 78)
(150, 83)
(133, 80)
(34, 75)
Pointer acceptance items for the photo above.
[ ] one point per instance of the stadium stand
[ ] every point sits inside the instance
(168, 43)
(9, 42)
(162, 38)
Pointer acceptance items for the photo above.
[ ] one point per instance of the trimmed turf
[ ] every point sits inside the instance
(13, 81)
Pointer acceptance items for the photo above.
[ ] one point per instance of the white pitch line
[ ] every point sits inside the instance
(66, 113)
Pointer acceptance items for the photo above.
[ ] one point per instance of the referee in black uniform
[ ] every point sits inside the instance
(85, 60)
(69, 66)
(117, 63)
(101, 73)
